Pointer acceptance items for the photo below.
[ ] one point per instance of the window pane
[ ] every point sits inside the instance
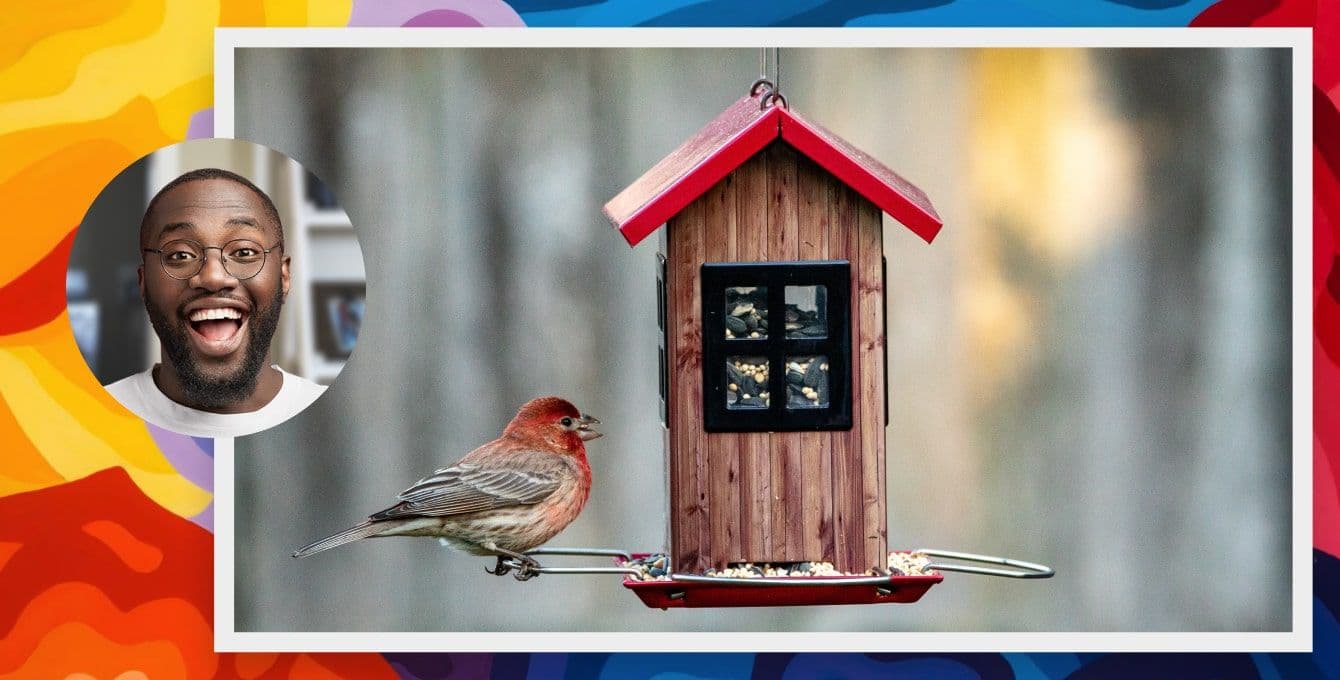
(806, 311)
(807, 382)
(747, 312)
(747, 383)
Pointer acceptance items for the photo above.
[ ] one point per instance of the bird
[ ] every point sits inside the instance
(502, 499)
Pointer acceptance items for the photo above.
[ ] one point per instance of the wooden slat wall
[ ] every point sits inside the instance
(783, 245)
(688, 505)
(848, 488)
(723, 452)
(758, 498)
(787, 496)
(867, 269)
(815, 447)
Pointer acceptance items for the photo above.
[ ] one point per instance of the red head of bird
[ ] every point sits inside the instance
(553, 423)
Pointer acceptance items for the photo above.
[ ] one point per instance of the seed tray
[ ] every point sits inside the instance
(676, 590)
(690, 591)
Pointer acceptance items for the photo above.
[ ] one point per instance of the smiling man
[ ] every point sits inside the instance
(213, 280)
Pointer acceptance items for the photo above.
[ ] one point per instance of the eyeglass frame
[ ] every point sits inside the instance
(223, 259)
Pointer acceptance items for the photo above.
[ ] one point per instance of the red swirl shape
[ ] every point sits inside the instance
(38, 295)
(1258, 13)
(96, 566)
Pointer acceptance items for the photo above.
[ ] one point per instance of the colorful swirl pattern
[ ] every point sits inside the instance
(105, 522)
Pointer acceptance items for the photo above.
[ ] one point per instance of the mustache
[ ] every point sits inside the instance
(181, 309)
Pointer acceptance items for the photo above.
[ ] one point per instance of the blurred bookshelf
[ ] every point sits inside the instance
(325, 305)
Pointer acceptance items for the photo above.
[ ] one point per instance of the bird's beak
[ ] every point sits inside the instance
(584, 428)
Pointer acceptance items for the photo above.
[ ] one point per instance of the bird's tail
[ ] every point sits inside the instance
(364, 530)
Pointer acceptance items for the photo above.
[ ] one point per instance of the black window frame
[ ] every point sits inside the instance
(715, 278)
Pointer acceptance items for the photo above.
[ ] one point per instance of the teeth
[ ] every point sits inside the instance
(212, 314)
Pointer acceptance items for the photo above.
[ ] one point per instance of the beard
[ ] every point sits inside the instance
(208, 392)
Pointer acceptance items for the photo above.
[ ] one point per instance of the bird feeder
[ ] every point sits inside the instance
(774, 388)
(773, 365)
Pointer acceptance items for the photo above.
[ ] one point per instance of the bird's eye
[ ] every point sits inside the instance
(566, 422)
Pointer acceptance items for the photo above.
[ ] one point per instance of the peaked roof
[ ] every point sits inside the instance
(732, 138)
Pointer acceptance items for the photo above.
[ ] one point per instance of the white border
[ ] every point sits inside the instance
(1299, 639)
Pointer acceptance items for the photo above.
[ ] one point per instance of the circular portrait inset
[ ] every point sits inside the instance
(215, 288)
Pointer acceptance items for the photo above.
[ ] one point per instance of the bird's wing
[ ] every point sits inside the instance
(471, 487)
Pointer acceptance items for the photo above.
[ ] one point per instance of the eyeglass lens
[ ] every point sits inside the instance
(242, 258)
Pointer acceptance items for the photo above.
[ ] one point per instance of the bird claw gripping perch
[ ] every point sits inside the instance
(526, 568)
(501, 569)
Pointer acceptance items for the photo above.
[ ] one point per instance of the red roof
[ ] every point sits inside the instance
(732, 138)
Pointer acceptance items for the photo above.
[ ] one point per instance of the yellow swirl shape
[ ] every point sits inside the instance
(149, 49)
(285, 13)
(50, 175)
(58, 66)
(24, 24)
(59, 408)
(87, 90)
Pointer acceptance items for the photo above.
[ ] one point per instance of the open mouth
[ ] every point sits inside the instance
(216, 331)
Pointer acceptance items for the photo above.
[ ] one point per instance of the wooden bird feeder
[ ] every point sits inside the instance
(773, 382)
(773, 369)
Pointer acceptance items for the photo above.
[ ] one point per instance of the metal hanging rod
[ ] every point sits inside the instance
(1030, 569)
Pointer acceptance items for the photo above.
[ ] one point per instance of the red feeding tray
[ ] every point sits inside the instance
(693, 590)
(714, 591)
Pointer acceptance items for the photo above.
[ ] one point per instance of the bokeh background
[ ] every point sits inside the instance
(107, 313)
(1089, 368)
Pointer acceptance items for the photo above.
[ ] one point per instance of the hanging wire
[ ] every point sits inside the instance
(768, 90)
(762, 83)
(777, 70)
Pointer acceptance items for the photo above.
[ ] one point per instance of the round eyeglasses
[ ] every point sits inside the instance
(242, 258)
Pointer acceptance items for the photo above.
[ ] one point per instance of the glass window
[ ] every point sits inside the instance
(807, 381)
(776, 346)
(806, 311)
(747, 383)
(746, 312)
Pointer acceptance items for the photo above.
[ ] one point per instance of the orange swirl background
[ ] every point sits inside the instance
(103, 577)
(102, 573)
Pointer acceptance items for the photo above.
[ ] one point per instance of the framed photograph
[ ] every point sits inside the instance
(1039, 312)
(338, 309)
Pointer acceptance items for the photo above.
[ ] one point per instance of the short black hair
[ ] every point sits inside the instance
(204, 174)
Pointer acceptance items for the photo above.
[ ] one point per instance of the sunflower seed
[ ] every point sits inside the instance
(814, 375)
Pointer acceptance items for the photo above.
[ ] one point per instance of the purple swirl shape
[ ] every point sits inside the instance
(201, 125)
(192, 457)
(433, 13)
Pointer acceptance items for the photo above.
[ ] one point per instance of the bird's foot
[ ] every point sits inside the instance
(526, 567)
(503, 567)
(527, 570)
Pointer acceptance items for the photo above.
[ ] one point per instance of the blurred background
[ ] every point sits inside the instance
(322, 311)
(1089, 368)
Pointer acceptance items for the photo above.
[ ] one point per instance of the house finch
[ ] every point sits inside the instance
(504, 498)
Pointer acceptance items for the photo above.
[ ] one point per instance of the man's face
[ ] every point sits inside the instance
(215, 329)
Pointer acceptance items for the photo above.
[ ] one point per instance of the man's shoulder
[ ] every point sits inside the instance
(131, 387)
(299, 388)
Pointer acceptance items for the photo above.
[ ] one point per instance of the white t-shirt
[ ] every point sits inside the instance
(139, 394)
